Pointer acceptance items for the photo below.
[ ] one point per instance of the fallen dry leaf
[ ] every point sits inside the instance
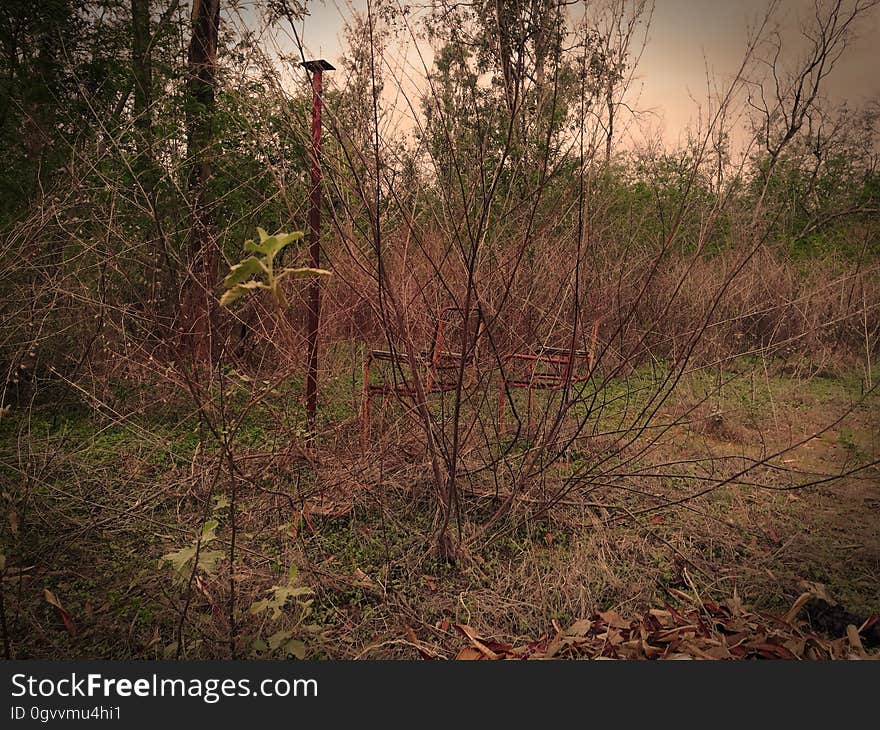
(580, 627)
(14, 522)
(707, 631)
(469, 653)
(52, 600)
(796, 607)
(477, 641)
(855, 641)
(612, 618)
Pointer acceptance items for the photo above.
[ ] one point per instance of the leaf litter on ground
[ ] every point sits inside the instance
(706, 630)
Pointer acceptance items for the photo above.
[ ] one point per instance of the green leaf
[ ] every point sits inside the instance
(252, 247)
(271, 245)
(278, 600)
(247, 274)
(279, 638)
(232, 295)
(208, 560)
(247, 269)
(179, 558)
(208, 530)
(284, 641)
(295, 648)
(274, 244)
(221, 501)
(259, 647)
(287, 238)
(303, 271)
(239, 290)
(267, 604)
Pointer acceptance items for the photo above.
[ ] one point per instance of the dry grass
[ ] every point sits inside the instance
(104, 507)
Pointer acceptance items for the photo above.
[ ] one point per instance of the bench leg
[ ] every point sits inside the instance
(365, 416)
(529, 412)
(365, 421)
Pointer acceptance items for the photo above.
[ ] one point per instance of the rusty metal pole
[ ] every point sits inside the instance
(316, 69)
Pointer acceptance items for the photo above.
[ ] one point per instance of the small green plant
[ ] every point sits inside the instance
(181, 561)
(258, 271)
(847, 441)
(285, 601)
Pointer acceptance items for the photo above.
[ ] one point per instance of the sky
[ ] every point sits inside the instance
(685, 38)
(688, 35)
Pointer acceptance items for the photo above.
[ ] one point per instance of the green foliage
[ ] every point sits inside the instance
(181, 561)
(847, 442)
(289, 601)
(44, 50)
(279, 596)
(247, 275)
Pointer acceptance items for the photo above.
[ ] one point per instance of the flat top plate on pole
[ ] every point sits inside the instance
(319, 65)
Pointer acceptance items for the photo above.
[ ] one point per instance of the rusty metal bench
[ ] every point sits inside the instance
(546, 368)
(439, 365)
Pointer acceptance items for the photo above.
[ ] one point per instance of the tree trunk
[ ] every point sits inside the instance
(198, 308)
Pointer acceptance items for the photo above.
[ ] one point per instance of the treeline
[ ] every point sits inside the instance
(144, 141)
